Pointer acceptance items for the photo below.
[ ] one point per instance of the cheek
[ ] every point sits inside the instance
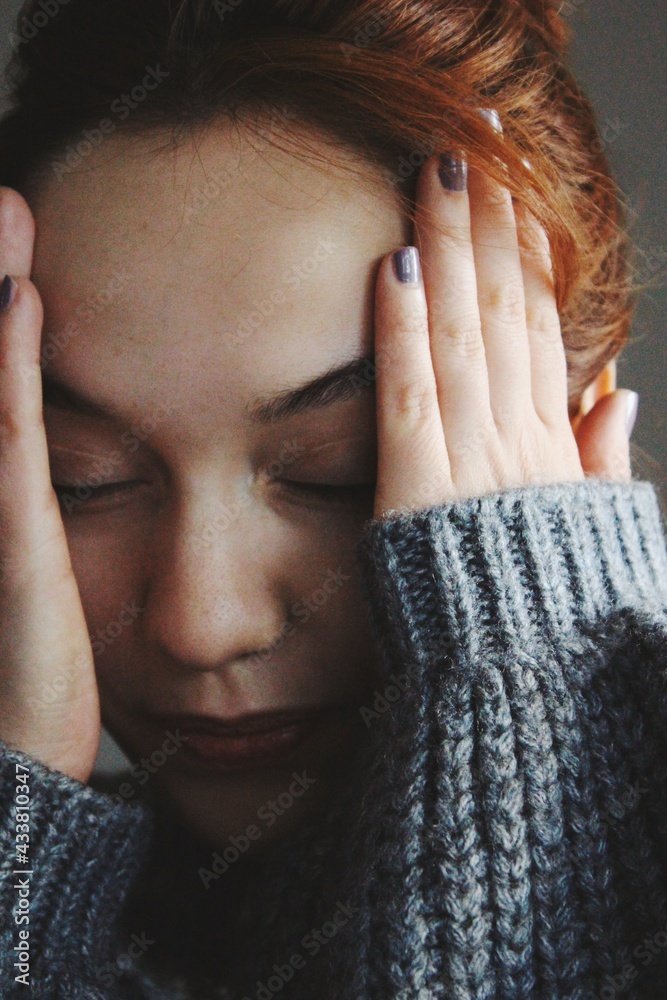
(331, 610)
(109, 582)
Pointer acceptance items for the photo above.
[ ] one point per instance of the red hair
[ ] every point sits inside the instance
(392, 79)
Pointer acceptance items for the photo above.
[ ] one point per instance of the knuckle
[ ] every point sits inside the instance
(498, 466)
(506, 419)
(19, 423)
(414, 320)
(451, 291)
(402, 338)
(525, 449)
(533, 238)
(480, 443)
(11, 427)
(542, 317)
(412, 400)
(463, 336)
(497, 196)
(506, 301)
(456, 236)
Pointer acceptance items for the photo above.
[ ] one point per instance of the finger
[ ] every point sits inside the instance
(17, 234)
(602, 440)
(28, 507)
(443, 233)
(413, 466)
(49, 705)
(501, 297)
(545, 337)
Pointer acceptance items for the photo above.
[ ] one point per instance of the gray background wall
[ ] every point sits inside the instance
(619, 56)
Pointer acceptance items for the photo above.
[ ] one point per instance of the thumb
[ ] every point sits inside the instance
(603, 436)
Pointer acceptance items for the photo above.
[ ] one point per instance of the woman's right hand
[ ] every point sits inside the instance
(49, 703)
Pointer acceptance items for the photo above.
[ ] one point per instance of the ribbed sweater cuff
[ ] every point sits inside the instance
(516, 566)
(84, 852)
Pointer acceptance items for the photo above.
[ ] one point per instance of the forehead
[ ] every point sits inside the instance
(169, 262)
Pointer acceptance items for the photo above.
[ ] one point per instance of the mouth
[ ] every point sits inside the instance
(247, 741)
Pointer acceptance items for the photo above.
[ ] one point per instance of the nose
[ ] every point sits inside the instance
(214, 593)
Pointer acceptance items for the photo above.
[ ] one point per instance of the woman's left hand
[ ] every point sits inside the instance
(471, 383)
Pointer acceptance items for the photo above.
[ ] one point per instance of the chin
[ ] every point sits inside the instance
(267, 805)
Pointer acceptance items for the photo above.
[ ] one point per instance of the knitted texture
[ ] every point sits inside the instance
(505, 832)
(83, 854)
(482, 850)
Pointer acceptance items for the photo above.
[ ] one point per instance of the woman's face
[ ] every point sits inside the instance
(182, 288)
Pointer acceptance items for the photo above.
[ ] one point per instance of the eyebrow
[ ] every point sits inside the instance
(64, 397)
(332, 386)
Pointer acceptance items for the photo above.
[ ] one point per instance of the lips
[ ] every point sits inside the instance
(245, 741)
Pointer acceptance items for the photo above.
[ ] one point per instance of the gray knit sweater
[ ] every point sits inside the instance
(505, 834)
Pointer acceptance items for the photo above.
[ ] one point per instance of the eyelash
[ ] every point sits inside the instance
(330, 494)
(61, 489)
(326, 492)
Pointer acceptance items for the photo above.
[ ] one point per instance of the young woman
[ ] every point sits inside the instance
(316, 492)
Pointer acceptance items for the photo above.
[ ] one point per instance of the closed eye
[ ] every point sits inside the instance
(355, 492)
(70, 495)
(73, 494)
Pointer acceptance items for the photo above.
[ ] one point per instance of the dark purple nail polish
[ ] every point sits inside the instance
(7, 291)
(407, 266)
(453, 172)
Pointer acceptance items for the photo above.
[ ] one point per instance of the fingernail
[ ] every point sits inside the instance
(407, 266)
(453, 172)
(7, 292)
(492, 117)
(631, 406)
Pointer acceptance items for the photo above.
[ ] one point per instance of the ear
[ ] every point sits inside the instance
(602, 385)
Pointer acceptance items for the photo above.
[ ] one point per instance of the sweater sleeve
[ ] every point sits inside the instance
(69, 855)
(511, 835)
